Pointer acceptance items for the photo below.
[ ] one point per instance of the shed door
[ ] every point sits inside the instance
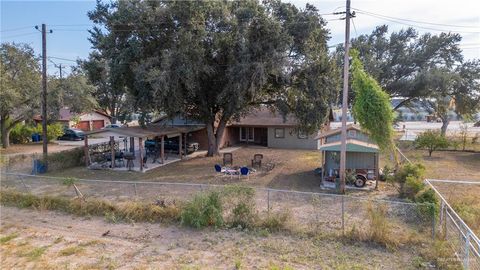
(84, 125)
(98, 124)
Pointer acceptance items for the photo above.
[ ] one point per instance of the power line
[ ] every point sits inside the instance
(354, 28)
(20, 35)
(416, 26)
(59, 58)
(16, 29)
(421, 22)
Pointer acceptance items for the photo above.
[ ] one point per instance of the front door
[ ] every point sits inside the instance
(247, 134)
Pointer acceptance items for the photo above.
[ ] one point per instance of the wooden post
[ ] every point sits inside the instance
(86, 152)
(162, 149)
(112, 148)
(185, 144)
(140, 147)
(377, 173)
(132, 145)
(180, 146)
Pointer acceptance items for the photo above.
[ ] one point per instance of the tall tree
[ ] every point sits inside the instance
(20, 86)
(215, 60)
(397, 59)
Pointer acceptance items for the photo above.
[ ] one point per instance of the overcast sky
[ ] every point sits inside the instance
(69, 22)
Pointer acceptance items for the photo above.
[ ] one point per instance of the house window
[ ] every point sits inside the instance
(302, 135)
(352, 134)
(279, 133)
(246, 134)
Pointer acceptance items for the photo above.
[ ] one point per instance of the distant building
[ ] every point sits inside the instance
(92, 120)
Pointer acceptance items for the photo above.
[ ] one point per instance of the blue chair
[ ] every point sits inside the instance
(244, 171)
(218, 168)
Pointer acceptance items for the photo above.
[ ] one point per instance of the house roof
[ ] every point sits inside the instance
(265, 117)
(352, 146)
(148, 131)
(65, 114)
(337, 130)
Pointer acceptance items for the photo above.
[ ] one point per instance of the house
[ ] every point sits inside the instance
(362, 154)
(262, 126)
(92, 120)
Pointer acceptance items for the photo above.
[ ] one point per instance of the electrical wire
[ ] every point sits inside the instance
(421, 22)
(417, 26)
(19, 35)
(59, 58)
(16, 29)
(354, 28)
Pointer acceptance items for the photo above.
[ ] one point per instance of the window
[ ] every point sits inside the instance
(352, 134)
(302, 135)
(279, 133)
(246, 134)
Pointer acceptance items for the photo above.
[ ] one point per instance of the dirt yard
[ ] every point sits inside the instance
(49, 240)
(33, 148)
(287, 169)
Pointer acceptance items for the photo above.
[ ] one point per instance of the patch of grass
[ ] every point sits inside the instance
(7, 238)
(204, 210)
(275, 222)
(71, 250)
(33, 253)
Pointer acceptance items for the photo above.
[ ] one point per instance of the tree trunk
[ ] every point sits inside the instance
(5, 135)
(445, 123)
(430, 153)
(212, 142)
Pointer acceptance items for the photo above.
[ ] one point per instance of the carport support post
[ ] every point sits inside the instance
(86, 152)
(162, 149)
(112, 149)
(343, 215)
(140, 147)
(377, 172)
(180, 146)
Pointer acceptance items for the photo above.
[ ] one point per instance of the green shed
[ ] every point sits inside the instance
(362, 155)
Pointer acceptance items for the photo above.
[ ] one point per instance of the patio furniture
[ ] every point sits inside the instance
(227, 159)
(257, 161)
(245, 171)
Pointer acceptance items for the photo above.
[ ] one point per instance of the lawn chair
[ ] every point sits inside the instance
(224, 171)
(257, 161)
(245, 171)
(227, 159)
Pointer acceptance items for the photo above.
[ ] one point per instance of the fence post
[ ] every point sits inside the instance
(135, 188)
(24, 185)
(268, 202)
(445, 216)
(432, 207)
(343, 215)
(467, 251)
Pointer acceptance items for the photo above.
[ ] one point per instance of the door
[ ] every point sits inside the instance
(84, 125)
(98, 124)
(246, 134)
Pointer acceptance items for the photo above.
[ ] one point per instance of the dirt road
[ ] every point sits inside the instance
(50, 240)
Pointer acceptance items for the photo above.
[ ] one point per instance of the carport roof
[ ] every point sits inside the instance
(352, 146)
(148, 131)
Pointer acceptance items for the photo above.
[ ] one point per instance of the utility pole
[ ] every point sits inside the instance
(44, 93)
(346, 66)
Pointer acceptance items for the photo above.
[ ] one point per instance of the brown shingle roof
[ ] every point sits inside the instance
(266, 118)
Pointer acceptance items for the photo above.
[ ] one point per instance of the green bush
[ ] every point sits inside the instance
(409, 177)
(239, 206)
(204, 210)
(21, 133)
(53, 131)
(275, 222)
(66, 159)
(427, 203)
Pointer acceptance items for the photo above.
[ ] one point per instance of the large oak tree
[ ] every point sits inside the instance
(216, 60)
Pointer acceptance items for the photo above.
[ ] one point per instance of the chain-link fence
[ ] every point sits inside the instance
(460, 238)
(307, 211)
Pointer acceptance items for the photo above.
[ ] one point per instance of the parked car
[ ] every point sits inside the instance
(113, 126)
(171, 145)
(72, 134)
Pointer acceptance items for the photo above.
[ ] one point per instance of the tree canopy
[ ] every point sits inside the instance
(20, 86)
(216, 60)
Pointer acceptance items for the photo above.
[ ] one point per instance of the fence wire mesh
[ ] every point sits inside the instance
(459, 237)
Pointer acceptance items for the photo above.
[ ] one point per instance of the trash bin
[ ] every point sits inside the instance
(35, 137)
(38, 167)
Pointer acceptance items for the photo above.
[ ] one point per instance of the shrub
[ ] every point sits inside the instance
(427, 204)
(239, 206)
(65, 159)
(275, 222)
(431, 140)
(21, 133)
(204, 210)
(409, 177)
(53, 131)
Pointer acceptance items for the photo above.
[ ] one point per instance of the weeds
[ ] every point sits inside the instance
(204, 210)
(35, 253)
(71, 250)
(275, 222)
(7, 238)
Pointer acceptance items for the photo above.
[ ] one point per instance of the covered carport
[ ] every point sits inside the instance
(125, 149)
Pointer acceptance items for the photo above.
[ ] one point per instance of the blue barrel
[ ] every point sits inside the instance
(38, 167)
(35, 137)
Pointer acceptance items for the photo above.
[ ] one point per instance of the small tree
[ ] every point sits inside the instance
(431, 140)
(463, 135)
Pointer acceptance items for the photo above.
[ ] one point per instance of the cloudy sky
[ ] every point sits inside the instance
(69, 22)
